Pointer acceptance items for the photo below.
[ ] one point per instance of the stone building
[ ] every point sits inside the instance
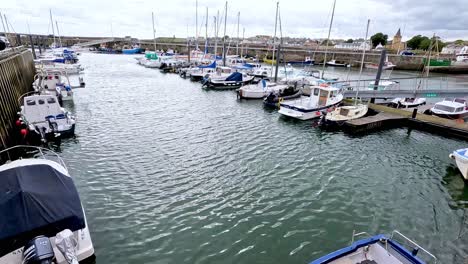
(396, 43)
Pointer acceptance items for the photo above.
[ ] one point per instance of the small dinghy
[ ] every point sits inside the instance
(334, 63)
(260, 90)
(44, 119)
(379, 249)
(407, 102)
(233, 81)
(274, 98)
(461, 158)
(450, 108)
(344, 113)
(43, 220)
(305, 108)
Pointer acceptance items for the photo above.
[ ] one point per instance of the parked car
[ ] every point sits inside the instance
(407, 53)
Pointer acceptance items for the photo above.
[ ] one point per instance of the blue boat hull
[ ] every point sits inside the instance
(132, 51)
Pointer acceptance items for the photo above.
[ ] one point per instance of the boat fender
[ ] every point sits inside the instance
(451, 156)
(415, 251)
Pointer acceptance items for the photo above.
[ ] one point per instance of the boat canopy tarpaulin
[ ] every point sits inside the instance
(36, 200)
(151, 56)
(244, 67)
(212, 65)
(235, 77)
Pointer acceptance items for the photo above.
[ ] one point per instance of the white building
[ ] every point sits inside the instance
(452, 49)
(355, 46)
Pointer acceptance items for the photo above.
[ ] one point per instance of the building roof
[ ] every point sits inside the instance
(398, 34)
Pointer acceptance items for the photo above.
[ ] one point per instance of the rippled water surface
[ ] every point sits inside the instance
(171, 173)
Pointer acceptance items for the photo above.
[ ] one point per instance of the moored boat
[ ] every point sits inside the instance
(407, 102)
(43, 218)
(450, 108)
(461, 159)
(378, 249)
(260, 90)
(44, 119)
(344, 113)
(233, 81)
(305, 108)
(335, 63)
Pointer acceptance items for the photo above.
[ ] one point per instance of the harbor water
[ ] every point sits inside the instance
(171, 173)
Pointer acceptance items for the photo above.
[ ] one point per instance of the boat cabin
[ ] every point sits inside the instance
(323, 94)
(37, 108)
(451, 105)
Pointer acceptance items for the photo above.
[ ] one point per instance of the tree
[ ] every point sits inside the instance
(415, 41)
(324, 43)
(423, 43)
(459, 42)
(349, 41)
(379, 38)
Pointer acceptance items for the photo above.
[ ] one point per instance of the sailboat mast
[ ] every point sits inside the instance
(362, 61)
(328, 38)
(224, 37)
(206, 32)
(238, 21)
(52, 24)
(274, 38)
(196, 24)
(58, 33)
(216, 34)
(242, 43)
(154, 32)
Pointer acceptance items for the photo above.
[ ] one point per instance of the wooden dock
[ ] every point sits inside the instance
(388, 117)
(16, 77)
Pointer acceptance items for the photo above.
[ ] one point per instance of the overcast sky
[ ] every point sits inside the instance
(300, 18)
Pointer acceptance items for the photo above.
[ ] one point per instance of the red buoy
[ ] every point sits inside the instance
(18, 122)
(24, 132)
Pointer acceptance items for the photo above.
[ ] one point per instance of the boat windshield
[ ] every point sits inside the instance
(445, 108)
(461, 101)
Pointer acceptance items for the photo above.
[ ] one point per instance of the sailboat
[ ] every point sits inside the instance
(349, 112)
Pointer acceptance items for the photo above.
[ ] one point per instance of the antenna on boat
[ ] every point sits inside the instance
(362, 61)
(274, 37)
(224, 37)
(238, 21)
(328, 38)
(154, 32)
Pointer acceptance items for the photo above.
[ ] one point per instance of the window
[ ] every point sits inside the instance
(444, 108)
(51, 100)
(459, 109)
(41, 101)
(30, 102)
(461, 101)
(316, 91)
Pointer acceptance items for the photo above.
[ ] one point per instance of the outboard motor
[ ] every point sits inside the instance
(38, 251)
(82, 83)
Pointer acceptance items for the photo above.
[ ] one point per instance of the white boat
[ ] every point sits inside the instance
(334, 63)
(43, 118)
(260, 90)
(233, 81)
(219, 73)
(461, 158)
(384, 85)
(56, 82)
(345, 113)
(379, 249)
(261, 72)
(450, 108)
(462, 57)
(43, 220)
(59, 67)
(304, 108)
(407, 102)
(387, 65)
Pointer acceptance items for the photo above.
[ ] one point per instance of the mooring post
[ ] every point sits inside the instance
(18, 40)
(32, 47)
(415, 112)
(38, 40)
(383, 55)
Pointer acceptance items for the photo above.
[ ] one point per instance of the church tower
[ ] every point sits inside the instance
(396, 43)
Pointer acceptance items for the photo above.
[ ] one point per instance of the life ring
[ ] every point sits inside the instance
(323, 85)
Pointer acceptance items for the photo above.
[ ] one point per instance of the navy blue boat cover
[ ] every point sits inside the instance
(36, 200)
(212, 65)
(235, 76)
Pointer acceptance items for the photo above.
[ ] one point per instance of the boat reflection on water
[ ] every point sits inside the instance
(456, 187)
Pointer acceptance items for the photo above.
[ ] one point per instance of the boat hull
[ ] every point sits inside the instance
(302, 114)
(461, 161)
(300, 62)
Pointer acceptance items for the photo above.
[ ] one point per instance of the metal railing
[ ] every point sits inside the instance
(414, 244)
(26, 151)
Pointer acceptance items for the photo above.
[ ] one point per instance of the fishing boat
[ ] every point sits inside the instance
(378, 249)
(42, 119)
(55, 82)
(269, 61)
(407, 102)
(461, 159)
(260, 90)
(233, 81)
(203, 71)
(43, 220)
(305, 108)
(134, 50)
(450, 108)
(334, 63)
(306, 61)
